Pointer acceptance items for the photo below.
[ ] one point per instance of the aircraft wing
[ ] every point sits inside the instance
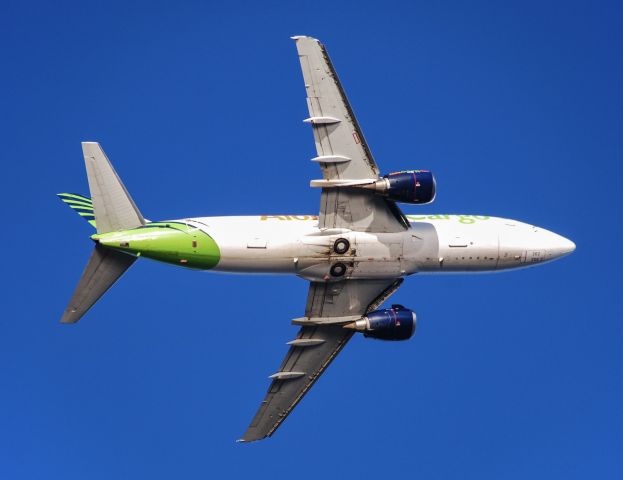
(342, 151)
(320, 339)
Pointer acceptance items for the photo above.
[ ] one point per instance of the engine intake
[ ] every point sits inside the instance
(396, 323)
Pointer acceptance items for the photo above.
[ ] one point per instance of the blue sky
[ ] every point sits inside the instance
(516, 107)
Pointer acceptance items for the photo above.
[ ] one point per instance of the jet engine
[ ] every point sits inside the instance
(396, 323)
(408, 186)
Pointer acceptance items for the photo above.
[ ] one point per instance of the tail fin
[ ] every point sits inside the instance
(81, 204)
(110, 209)
(113, 206)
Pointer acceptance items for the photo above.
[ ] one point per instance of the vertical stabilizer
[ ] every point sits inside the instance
(112, 204)
(103, 270)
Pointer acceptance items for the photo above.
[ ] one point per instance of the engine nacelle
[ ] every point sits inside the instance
(396, 323)
(408, 186)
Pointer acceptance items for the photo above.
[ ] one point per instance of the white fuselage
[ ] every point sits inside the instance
(293, 244)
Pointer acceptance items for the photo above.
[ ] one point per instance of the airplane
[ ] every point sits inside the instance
(355, 252)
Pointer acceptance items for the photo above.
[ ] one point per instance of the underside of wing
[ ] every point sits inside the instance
(342, 151)
(340, 144)
(317, 343)
(360, 211)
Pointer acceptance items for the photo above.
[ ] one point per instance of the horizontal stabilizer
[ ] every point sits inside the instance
(113, 206)
(103, 270)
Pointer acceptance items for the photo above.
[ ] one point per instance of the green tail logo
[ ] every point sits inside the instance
(81, 204)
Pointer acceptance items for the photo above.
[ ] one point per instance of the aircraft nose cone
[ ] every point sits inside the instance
(557, 245)
(567, 246)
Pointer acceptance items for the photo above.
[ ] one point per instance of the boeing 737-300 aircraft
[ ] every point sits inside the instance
(354, 253)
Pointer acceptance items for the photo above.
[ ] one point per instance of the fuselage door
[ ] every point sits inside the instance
(257, 241)
(458, 241)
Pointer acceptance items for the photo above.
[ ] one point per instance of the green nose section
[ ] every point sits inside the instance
(170, 242)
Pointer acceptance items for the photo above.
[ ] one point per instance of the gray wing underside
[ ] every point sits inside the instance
(342, 151)
(360, 211)
(315, 347)
(105, 267)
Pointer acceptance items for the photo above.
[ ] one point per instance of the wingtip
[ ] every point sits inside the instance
(299, 37)
(69, 316)
(250, 440)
